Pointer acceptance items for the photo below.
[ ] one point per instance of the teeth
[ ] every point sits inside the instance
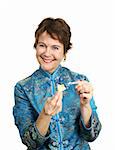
(47, 61)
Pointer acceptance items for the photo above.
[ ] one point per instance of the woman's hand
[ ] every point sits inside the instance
(85, 91)
(53, 105)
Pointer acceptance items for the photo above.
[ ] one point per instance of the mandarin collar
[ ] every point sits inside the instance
(49, 75)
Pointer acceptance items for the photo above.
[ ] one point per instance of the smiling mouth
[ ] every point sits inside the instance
(47, 60)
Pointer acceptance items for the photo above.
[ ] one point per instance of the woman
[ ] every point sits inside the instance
(47, 117)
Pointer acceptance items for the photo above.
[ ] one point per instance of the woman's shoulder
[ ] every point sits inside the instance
(29, 79)
(75, 75)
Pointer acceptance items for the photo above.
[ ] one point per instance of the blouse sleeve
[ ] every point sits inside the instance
(25, 117)
(91, 133)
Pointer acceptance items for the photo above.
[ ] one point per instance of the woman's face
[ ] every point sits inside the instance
(49, 52)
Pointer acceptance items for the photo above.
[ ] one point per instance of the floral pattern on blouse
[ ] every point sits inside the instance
(67, 130)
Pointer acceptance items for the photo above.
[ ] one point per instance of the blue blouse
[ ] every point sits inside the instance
(67, 130)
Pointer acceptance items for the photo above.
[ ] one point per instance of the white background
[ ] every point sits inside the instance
(92, 26)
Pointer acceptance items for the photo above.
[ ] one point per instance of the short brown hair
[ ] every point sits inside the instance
(57, 28)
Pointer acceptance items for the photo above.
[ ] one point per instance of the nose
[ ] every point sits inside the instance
(48, 51)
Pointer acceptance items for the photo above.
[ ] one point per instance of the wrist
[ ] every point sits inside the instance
(44, 113)
(86, 108)
(87, 105)
(86, 112)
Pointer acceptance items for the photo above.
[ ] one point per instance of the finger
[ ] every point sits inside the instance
(58, 106)
(59, 103)
(60, 96)
(56, 95)
(86, 96)
(50, 109)
(85, 88)
(56, 109)
(80, 90)
(55, 98)
(50, 104)
(79, 83)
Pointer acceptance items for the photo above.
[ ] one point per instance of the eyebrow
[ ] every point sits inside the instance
(41, 43)
(57, 45)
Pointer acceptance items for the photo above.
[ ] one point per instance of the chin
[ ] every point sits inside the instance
(48, 69)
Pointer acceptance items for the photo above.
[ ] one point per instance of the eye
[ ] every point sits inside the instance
(41, 45)
(55, 47)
